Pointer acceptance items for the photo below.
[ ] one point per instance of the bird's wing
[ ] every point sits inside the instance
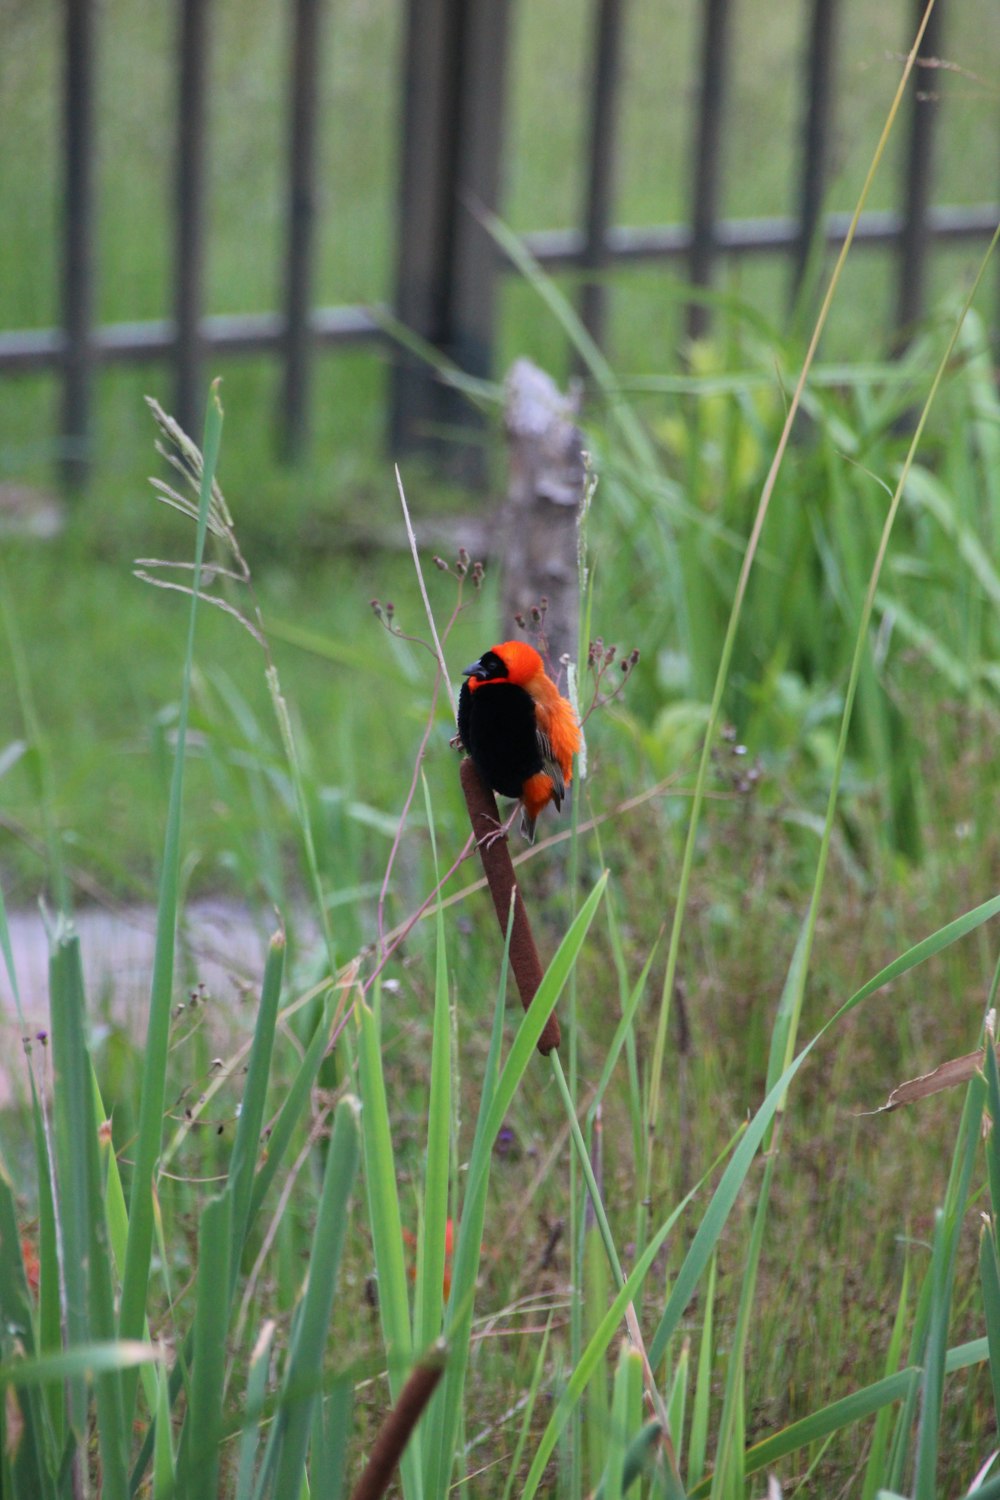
(551, 767)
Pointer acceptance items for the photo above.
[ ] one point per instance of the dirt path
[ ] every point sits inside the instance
(223, 947)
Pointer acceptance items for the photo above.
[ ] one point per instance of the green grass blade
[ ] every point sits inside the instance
(597, 1407)
(83, 1362)
(164, 1458)
(538, 1375)
(992, 1071)
(246, 1146)
(200, 1457)
(626, 1400)
(304, 1372)
(875, 1467)
(707, 1236)
(594, 1352)
(328, 1464)
(445, 1411)
(703, 1383)
(31, 1463)
(845, 1412)
(293, 1109)
(429, 1294)
(640, 1458)
(726, 1193)
(542, 1006)
(947, 1233)
(386, 1225)
(148, 1142)
(623, 1029)
(260, 1364)
(72, 1124)
(492, 1114)
(291, 1112)
(989, 1275)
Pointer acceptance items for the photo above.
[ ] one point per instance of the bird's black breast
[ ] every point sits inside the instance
(496, 724)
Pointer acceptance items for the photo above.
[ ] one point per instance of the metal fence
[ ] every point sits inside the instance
(453, 95)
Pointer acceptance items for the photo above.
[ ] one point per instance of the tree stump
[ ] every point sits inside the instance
(538, 527)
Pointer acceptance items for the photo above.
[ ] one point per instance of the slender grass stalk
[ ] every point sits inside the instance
(717, 1212)
(199, 1453)
(386, 1224)
(147, 1149)
(304, 1372)
(875, 1467)
(434, 1219)
(680, 907)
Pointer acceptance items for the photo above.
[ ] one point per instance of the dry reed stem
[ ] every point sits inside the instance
(394, 1434)
(499, 872)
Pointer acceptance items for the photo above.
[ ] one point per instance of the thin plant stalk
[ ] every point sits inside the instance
(687, 862)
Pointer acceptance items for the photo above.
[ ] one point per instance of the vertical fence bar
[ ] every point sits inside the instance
(301, 225)
(189, 243)
(706, 173)
(914, 239)
(480, 139)
(601, 155)
(428, 161)
(453, 97)
(78, 239)
(817, 121)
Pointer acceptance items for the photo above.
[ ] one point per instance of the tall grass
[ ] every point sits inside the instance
(229, 1307)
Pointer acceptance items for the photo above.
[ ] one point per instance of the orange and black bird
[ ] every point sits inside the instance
(519, 730)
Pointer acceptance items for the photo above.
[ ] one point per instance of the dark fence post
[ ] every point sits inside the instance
(818, 112)
(453, 106)
(914, 236)
(189, 244)
(705, 185)
(78, 239)
(605, 73)
(301, 225)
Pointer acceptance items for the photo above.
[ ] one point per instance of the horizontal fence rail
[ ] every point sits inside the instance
(453, 88)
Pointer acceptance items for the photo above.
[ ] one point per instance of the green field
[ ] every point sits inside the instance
(716, 910)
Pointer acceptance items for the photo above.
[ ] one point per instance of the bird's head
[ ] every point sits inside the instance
(514, 661)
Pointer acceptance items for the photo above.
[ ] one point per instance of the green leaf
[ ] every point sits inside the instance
(304, 1371)
(386, 1225)
(199, 1457)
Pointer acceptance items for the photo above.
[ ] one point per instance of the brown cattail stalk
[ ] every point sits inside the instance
(394, 1434)
(499, 871)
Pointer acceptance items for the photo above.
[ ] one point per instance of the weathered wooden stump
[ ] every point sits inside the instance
(538, 526)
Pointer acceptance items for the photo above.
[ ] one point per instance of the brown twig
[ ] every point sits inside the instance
(393, 1435)
(499, 871)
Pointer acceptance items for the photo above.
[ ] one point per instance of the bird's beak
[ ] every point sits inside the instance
(476, 670)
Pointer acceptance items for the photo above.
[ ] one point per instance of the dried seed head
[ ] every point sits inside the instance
(440, 564)
(477, 574)
(520, 621)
